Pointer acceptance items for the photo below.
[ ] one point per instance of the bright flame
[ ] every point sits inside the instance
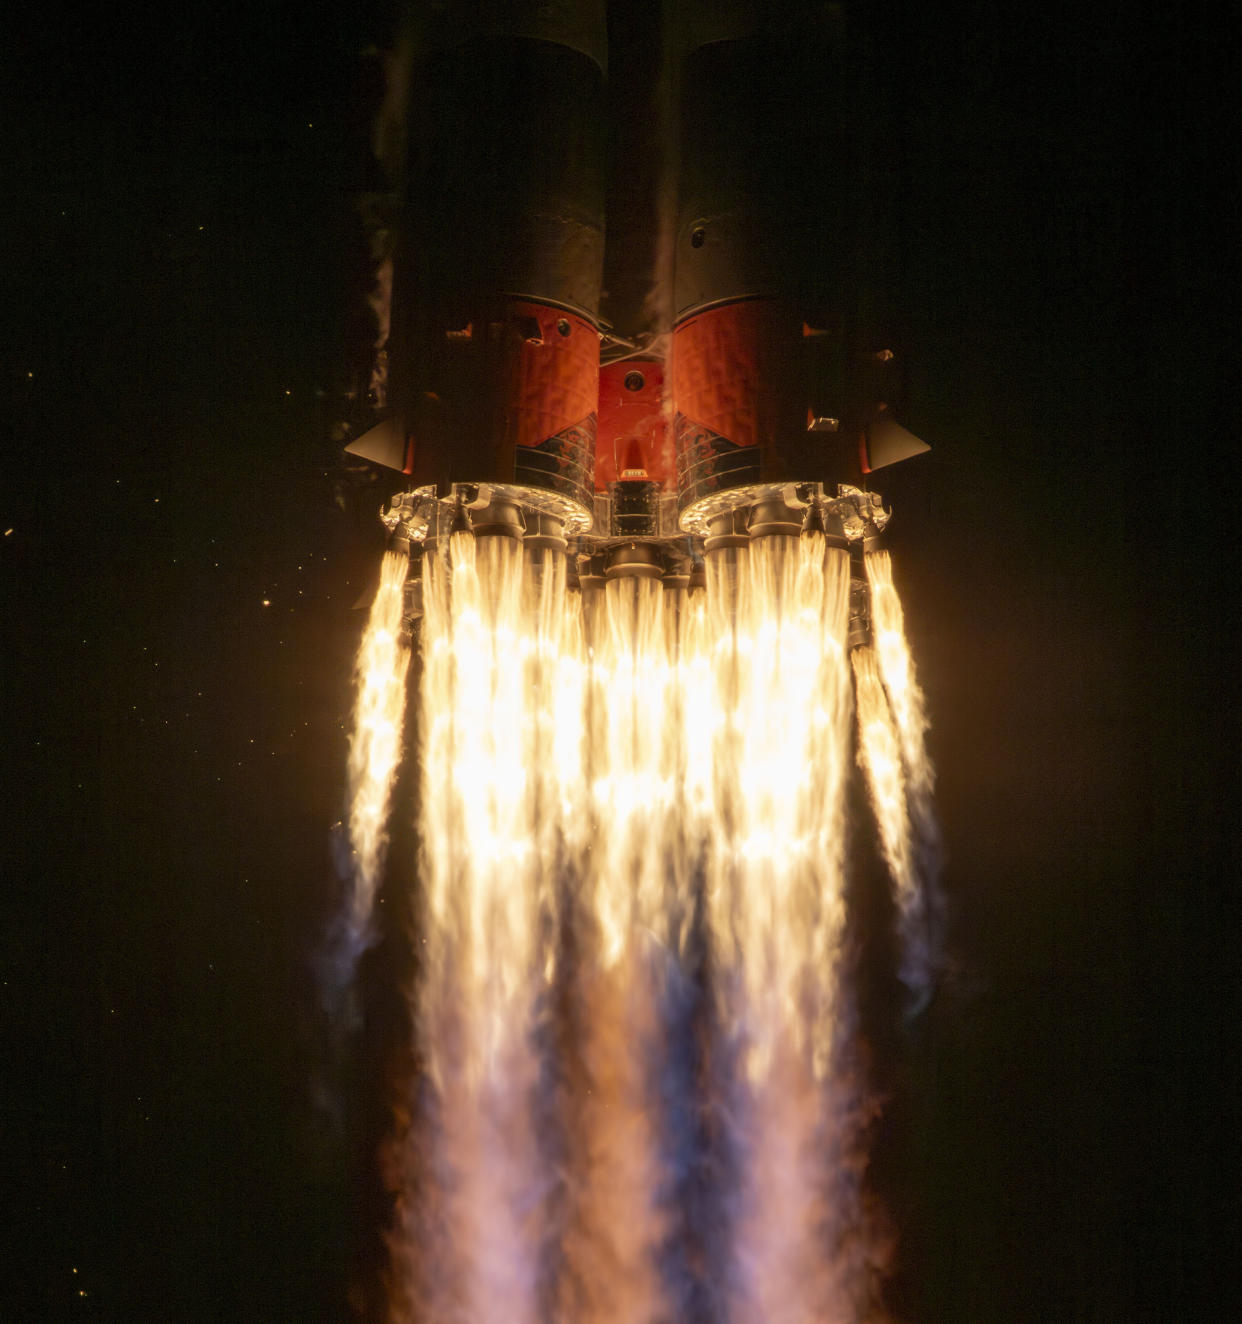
(781, 699)
(880, 756)
(897, 671)
(782, 705)
(634, 791)
(375, 749)
(916, 864)
(633, 797)
(502, 687)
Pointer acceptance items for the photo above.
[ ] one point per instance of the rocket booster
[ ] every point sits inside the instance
(601, 332)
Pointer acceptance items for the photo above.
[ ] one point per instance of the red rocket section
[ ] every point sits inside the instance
(731, 369)
(736, 394)
(549, 385)
(515, 399)
(632, 432)
(549, 374)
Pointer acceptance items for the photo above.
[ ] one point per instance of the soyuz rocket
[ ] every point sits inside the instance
(629, 318)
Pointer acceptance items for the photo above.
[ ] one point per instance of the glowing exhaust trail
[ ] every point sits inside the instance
(615, 1226)
(487, 677)
(599, 768)
(632, 789)
(879, 754)
(782, 698)
(920, 902)
(897, 671)
(374, 755)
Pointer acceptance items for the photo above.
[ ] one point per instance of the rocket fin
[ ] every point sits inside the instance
(383, 444)
(888, 442)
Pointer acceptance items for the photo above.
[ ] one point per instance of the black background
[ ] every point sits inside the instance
(179, 254)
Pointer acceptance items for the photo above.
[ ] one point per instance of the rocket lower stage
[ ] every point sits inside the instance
(641, 1098)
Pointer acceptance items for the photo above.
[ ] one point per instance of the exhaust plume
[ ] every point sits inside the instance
(920, 900)
(374, 756)
(641, 1092)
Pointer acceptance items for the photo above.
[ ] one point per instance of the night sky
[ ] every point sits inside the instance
(182, 549)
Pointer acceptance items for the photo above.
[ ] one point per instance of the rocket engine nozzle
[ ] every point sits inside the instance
(859, 635)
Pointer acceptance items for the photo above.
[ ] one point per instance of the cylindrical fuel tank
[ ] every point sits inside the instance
(497, 287)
